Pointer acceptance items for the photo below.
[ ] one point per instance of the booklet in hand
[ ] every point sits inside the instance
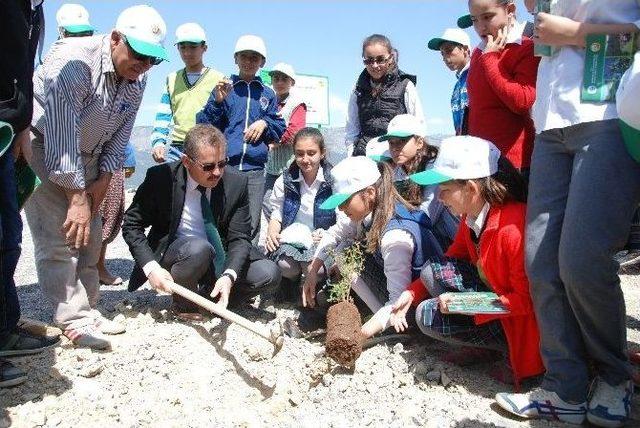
(476, 302)
(539, 49)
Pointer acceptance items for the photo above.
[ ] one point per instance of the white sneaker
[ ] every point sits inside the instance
(87, 337)
(609, 406)
(542, 404)
(106, 326)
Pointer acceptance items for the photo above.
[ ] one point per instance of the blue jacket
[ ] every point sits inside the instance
(245, 104)
(322, 219)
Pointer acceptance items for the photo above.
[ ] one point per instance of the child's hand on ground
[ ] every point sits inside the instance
(309, 290)
(557, 30)
(253, 133)
(497, 44)
(399, 311)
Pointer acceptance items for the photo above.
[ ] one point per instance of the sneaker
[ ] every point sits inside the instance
(106, 326)
(87, 337)
(542, 404)
(10, 375)
(22, 343)
(609, 406)
(628, 258)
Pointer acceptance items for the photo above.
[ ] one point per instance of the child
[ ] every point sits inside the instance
(454, 46)
(502, 81)
(381, 92)
(583, 192)
(185, 93)
(247, 112)
(397, 238)
(294, 112)
(486, 255)
(411, 153)
(296, 199)
(73, 21)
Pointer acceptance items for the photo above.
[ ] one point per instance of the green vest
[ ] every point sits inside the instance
(186, 101)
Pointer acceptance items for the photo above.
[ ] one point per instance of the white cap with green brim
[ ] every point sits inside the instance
(144, 29)
(73, 18)
(461, 158)
(190, 33)
(628, 110)
(403, 126)
(378, 150)
(350, 175)
(453, 35)
(6, 136)
(252, 43)
(285, 69)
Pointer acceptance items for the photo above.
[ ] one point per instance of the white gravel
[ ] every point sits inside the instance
(166, 373)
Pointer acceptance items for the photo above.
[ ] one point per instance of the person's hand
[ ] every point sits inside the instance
(76, 226)
(253, 133)
(309, 289)
(22, 146)
(97, 190)
(223, 290)
(530, 5)
(497, 44)
(159, 279)
(443, 301)
(222, 89)
(557, 30)
(158, 153)
(273, 237)
(399, 311)
(316, 235)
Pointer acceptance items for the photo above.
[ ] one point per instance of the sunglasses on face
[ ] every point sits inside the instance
(140, 57)
(376, 60)
(208, 167)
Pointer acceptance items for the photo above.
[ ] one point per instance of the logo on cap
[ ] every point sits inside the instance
(155, 29)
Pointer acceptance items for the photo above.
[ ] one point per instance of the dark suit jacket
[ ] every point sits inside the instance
(159, 202)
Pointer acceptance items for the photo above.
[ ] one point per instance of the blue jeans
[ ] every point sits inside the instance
(10, 240)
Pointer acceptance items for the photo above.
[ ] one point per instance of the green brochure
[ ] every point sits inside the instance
(476, 302)
(607, 57)
(540, 49)
(26, 180)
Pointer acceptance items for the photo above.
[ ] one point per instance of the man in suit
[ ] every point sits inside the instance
(194, 240)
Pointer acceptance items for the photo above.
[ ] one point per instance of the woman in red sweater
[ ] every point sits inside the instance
(487, 254)
(502, 81)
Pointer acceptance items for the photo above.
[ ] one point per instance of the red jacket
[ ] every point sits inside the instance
(502, 88)
(501, 256)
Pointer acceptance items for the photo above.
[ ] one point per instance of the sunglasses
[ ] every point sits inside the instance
(140, 57)
(211, 166)
(376, 60)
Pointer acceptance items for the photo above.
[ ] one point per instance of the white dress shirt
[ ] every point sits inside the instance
(307, 198)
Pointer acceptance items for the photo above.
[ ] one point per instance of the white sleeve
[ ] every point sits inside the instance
(344, 229)
(276, 200)
(352, 128)
(412, 101)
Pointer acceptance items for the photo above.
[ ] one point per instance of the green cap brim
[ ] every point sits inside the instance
(631, 137)
(190, 41)
(434, 44)
(148, 49)
(380, 158)
(73, 29)
(465, 22)
(334, 201)
(396, 134)
(6, 136)
(426, 178)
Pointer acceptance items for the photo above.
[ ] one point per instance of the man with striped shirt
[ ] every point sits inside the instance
(86, 96)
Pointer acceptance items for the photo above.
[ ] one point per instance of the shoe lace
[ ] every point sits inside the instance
(605, 394)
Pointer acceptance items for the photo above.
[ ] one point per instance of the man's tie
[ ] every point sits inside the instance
(212, 232)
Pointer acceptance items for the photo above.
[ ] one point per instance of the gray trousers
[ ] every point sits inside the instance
(255, 189)
(68, 277)
(583, 191)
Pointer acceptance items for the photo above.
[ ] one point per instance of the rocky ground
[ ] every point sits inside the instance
(166, 373)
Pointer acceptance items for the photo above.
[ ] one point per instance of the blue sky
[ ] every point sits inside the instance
(316, 37)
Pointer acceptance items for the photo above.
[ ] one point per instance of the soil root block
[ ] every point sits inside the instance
(344, 341)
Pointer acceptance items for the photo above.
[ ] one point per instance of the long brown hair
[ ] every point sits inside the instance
(384, 206)
(423, 157)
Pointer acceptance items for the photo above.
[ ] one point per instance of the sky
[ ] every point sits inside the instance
(316, 37)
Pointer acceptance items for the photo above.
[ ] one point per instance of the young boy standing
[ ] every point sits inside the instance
(246, 111)
(186, 92)
(455, 47)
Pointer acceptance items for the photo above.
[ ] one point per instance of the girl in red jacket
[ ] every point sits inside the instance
(487, 255)
(502, 81)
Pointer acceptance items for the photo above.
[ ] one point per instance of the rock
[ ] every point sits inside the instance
(327, 379)
(421, 368)
(30, 396)
(120, 318)
(92, 371)
(433, 376)
(445, 380)
(397, 348)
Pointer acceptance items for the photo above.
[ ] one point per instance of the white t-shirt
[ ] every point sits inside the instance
(559, 82)
(307, 198)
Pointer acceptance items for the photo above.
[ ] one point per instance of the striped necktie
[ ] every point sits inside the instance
(212, 232)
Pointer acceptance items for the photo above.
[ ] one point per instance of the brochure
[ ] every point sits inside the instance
(476, 302)
(538, 48)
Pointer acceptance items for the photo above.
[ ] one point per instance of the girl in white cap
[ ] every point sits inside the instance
(486, 255)
(397, 237)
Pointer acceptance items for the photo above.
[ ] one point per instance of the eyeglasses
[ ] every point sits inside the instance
(376, 60)
(140, 57)
(211, 166)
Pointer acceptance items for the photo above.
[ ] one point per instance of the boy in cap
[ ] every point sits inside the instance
(73, 21)
(246, 111)
(86, 96)
(185, 93)
(455, 47)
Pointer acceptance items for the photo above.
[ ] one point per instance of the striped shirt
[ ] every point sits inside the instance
(81, 106)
